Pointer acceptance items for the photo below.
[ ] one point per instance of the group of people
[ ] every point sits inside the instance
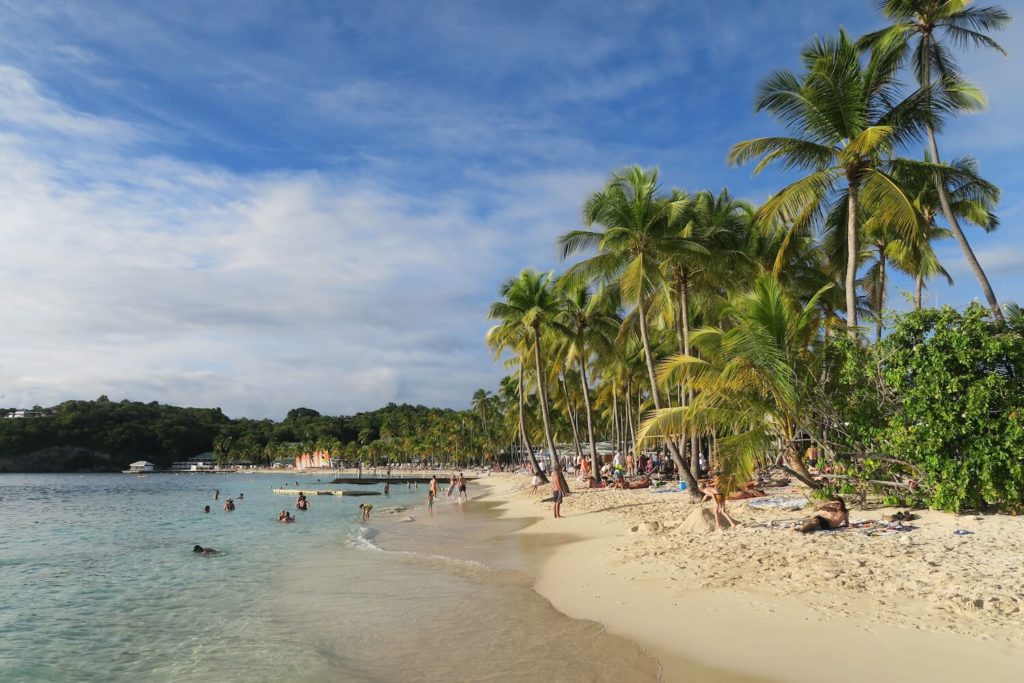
(457, 481)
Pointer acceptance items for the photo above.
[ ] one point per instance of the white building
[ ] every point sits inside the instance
(141, 466)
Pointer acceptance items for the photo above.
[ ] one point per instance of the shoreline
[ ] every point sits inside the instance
(625, 573)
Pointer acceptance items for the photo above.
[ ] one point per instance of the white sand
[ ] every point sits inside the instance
(780, 605)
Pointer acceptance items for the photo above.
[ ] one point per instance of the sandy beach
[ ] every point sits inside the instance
(761, 602)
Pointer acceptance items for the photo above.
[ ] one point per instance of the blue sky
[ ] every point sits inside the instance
(260, 205)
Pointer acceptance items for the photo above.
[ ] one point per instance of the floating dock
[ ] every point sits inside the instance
(365, 481)
(328, 492)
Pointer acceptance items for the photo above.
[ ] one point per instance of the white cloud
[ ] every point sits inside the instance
(154, 278)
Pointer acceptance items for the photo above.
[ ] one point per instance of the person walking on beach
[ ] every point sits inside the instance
(557, 495)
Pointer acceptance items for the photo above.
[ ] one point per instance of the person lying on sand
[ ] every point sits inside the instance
(711, 492)
(831, 514)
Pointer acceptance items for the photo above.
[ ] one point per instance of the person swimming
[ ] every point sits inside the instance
(241, 496)
(200, 550)
(229, 506)
(302, 503)
(206, 509)
(285, 517)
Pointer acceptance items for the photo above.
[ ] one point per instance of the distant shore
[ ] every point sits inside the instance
(769, 604)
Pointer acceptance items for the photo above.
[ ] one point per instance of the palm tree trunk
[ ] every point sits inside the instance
(954, 224)
(688, 398)
(684, 472)
(851, 256)
(918, 290)
(523, 431)
(556, 466)
(881, 294)
(570, 409)
(594, 465)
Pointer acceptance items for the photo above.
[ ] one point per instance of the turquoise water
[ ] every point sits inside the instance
(98, 582)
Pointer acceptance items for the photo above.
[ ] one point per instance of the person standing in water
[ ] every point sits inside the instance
(229, 506)
(462, 488)
(387, 489)
(432, 493)
(366, 507)
(216, 494)
(206, 509)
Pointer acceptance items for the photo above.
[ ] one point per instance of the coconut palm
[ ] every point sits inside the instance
(719, 224)
(754, 377)
(531, 305)
(846, 121)
(635, 233)
(591, 324)
(915, 32)
(511, 335)
(970, 198)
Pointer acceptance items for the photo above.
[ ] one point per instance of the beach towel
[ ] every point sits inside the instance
(777, 503)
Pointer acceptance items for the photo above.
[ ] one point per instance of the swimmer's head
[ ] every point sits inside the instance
(197, 549)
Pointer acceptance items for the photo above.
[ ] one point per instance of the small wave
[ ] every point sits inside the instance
(363, 538)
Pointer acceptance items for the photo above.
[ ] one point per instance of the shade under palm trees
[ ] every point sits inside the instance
(755, 378)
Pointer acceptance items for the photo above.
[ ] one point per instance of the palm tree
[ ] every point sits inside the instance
(718, 223)
(846, 121)
(636, 233)
(920, 21)
(971, 198)
(530, 304)
(590, 324)
(755, 378)
(510, 334)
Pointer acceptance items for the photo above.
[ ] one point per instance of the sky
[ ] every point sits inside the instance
(262, 205)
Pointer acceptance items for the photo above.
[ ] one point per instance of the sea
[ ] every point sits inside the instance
(99, 582)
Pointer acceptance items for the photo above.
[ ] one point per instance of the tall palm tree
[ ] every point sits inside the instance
(531, 305)
(755, 375)
(921, 22)
(635, 233)
(719, 224)
(846, 121)
(510, 334)
(590, 323)
(970, 198)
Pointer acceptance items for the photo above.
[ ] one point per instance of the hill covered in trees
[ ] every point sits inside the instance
(107, 435)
